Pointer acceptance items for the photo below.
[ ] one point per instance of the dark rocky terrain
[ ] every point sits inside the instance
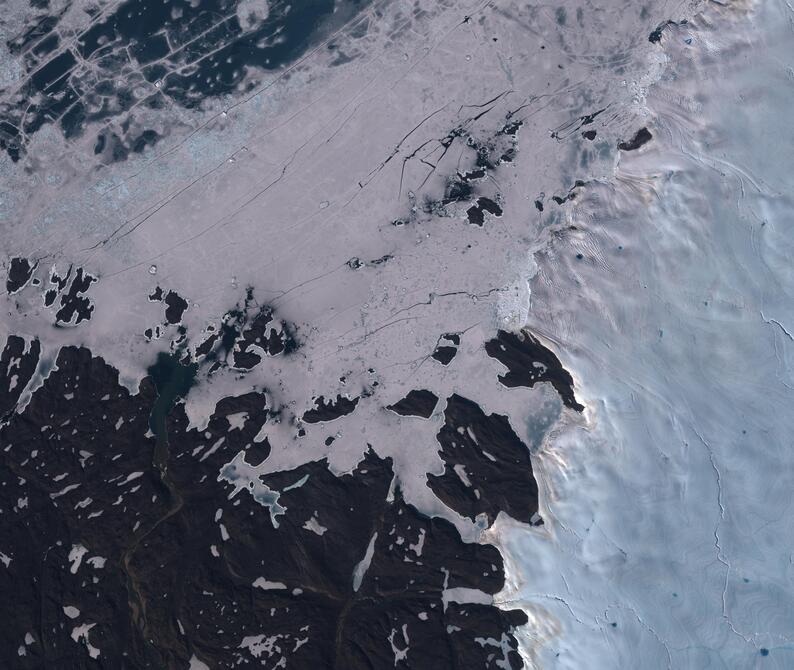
(128, 550)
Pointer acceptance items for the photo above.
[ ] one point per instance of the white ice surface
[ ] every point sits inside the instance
(668, 530)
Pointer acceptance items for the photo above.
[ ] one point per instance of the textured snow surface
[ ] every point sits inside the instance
(668, 534)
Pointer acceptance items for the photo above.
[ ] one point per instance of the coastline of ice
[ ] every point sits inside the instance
(667, 536)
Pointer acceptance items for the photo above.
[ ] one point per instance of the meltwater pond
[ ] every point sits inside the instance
(669, 536)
